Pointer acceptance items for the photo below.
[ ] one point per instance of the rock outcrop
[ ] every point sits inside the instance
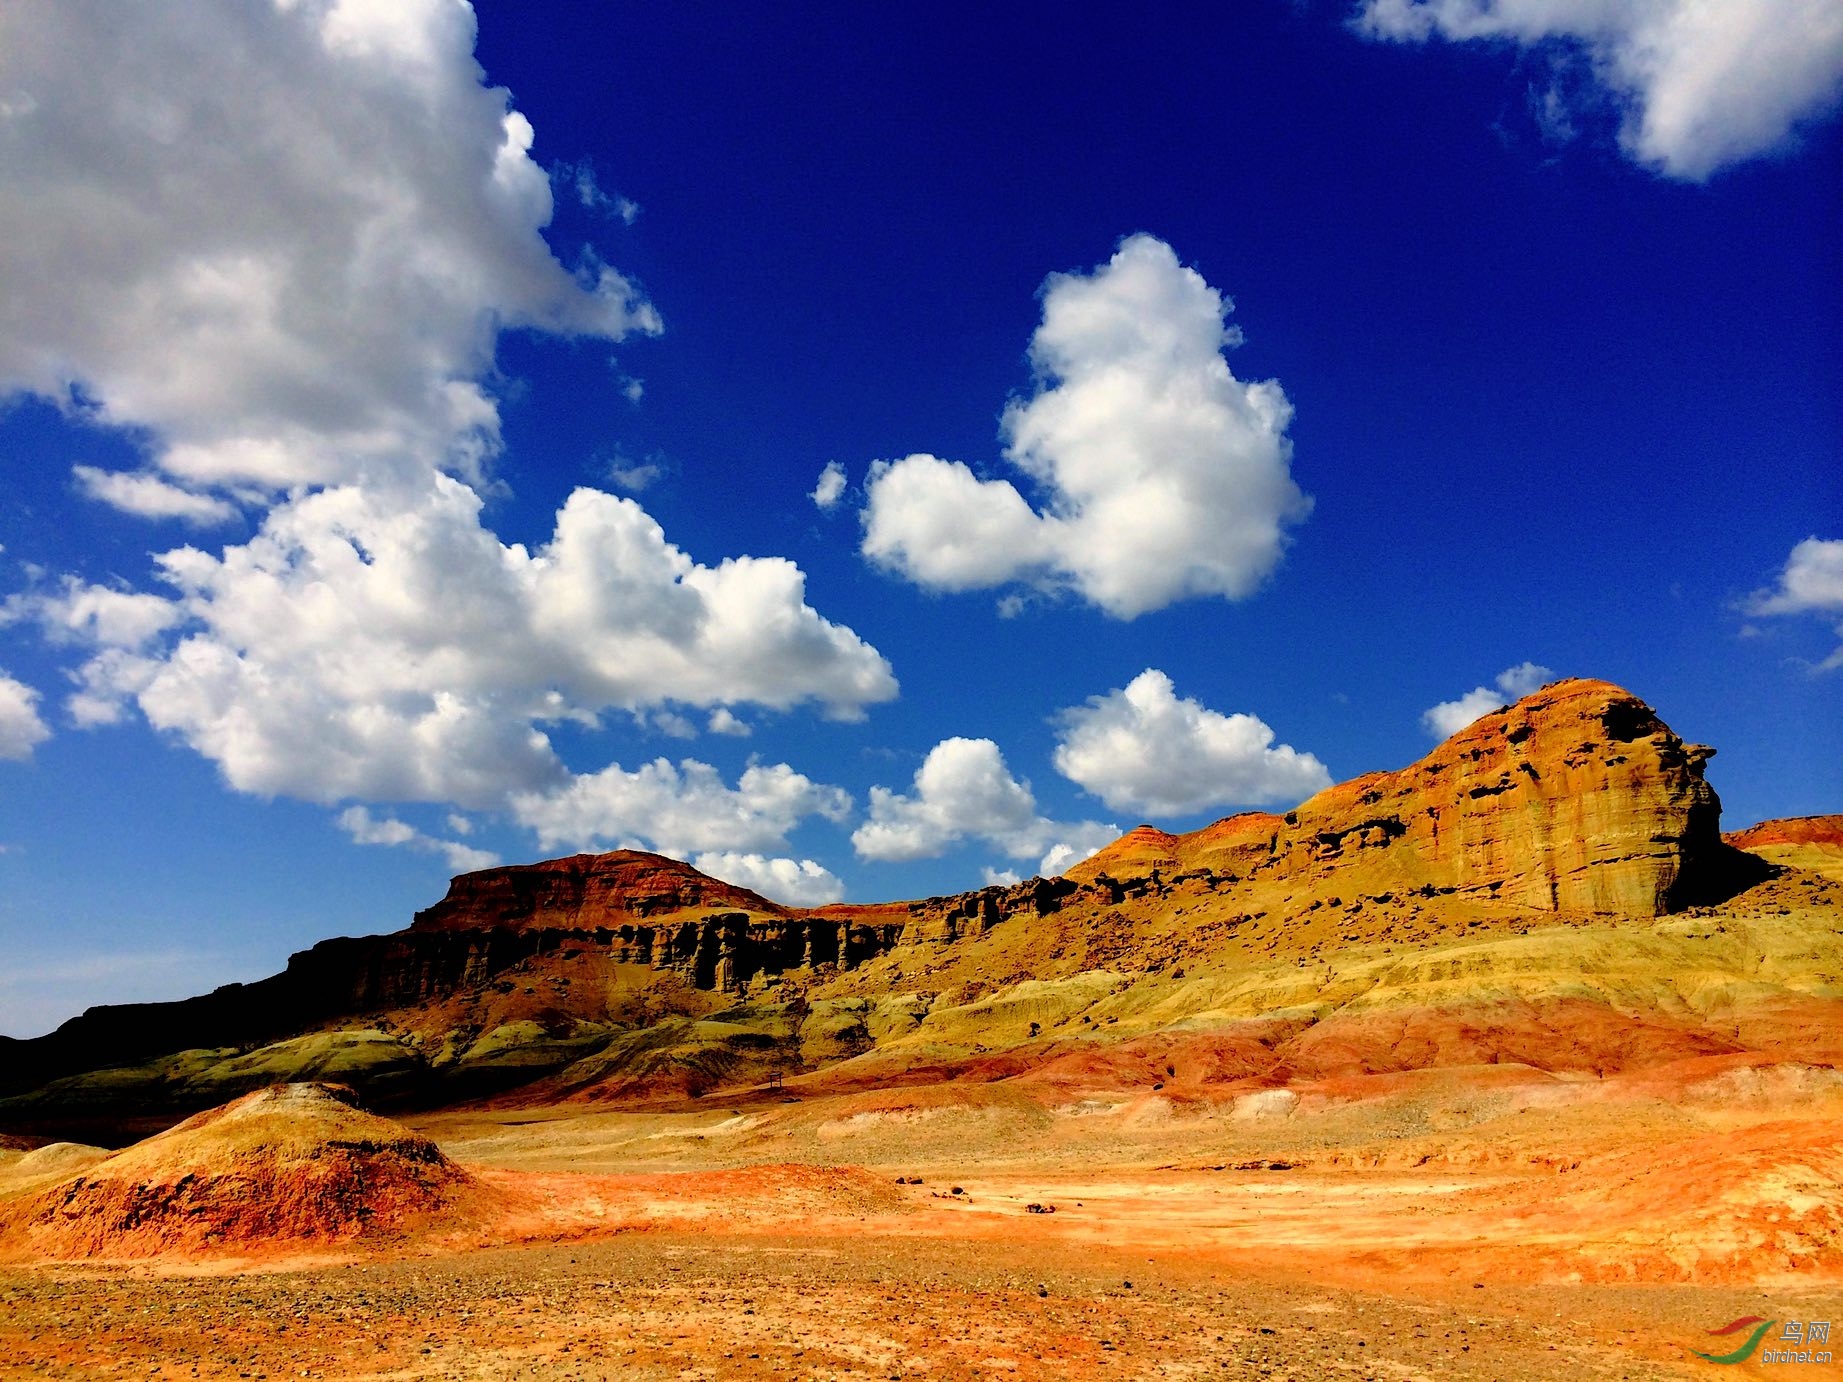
(585, 892)
(1801, 842)
(1824, 831)
(1576, 798)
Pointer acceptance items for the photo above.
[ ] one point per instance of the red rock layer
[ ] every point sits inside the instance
(585, 892)
(1794, 830)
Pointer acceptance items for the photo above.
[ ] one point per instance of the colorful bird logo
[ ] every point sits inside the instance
(1745, 1351)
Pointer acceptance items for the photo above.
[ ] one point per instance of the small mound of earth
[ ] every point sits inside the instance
(285, 1168)
(54, 1158)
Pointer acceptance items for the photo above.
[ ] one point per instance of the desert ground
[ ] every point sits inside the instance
(1491, 1222)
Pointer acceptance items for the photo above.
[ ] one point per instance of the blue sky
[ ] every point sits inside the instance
(412, 421)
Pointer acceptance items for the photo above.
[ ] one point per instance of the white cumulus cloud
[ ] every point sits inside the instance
(1700, 84)
(964, 791)
(367, 829)
(377, 642)
(1811, 583)
(21, 730)
(1162, 476)
(281, 238)
(147, 495)
(724, 721)
(678, 809)
(831, 486)
(795, 882)
(275, 243)
(102, 615)
(1144, 748)
(1449, 717)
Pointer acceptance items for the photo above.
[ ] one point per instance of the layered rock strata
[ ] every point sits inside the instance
(585, 892)
(1577, 798)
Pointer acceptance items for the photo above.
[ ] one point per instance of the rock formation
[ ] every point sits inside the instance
(585, 892)
(1576, 798)
(1805, 842)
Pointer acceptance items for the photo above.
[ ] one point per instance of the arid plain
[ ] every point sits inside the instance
(1505, 1065)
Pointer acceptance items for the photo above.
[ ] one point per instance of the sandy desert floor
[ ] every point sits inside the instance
(787, 1305)
(1486, 1223)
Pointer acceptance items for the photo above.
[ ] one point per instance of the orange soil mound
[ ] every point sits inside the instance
(1795, 830)
(289, 1166)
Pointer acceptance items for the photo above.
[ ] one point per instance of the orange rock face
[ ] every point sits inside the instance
(1825, 831)
(585, 892)
(1138, 851)
(1800, 842)
(1575, 798)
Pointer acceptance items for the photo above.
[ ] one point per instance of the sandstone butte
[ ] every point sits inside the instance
(1535, 881)
(1576, 798)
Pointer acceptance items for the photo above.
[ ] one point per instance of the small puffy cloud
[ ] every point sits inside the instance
(634, 476)
(345, 318)
(367, 829)
(96, 614)
(671, 724)
(1162, 476)
(1146, 749)
(1811, 583)
(831, 485)
(1699, 85)
(964, 791)
(589, 192)
(148, 496)
(377, 642)
(21, 730)
(722, 721)
(795, 882)
(1449, 717)
(681, 809)
(999, 878)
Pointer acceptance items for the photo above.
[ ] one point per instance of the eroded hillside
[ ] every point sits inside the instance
(1548, 887)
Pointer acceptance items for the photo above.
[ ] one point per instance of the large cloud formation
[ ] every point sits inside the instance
(1700, 84)
(1145, 748)
(682, 809)
(376, 642)
(274, 242)
(1162, 476)
(964, 791)
(281, 238)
